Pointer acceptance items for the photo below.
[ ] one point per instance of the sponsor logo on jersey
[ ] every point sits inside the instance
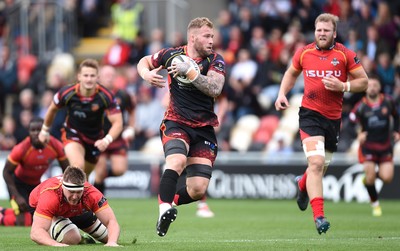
(101, 201)
(80, 114)
(322, 73)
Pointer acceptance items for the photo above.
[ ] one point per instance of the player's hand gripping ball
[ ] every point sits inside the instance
(191, 74)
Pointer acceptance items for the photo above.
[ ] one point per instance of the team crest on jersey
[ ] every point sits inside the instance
(95, 107)
(334, 62)
(201, 67)
(356, 60)
(384, 110)
(118, 101)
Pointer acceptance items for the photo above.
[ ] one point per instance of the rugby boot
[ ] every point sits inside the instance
(165, 220)
(302, 196)
(322, 225)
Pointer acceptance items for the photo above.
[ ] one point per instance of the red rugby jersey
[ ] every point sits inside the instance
(32, 163)
(316, 64)
(48, 200)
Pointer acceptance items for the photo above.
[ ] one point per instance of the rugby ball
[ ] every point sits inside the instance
(60, 226)
(185, 59)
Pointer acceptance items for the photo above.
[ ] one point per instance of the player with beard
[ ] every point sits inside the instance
(25, 165)
(377, 135)
(329, 70)
(87, 103)
(187, 131)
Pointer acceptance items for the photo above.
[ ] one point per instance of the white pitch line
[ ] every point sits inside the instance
(279, 240)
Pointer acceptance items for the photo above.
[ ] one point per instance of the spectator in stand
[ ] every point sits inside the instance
(235, 40)
(257, 41)
(275, 44)
(263, 81)
(138, 49)
(3, 26)
(374, 45)
(8, 76)
(293, 38)
(26, 101)
(386, 73)
(149, 112)
(246, 24)
(24, 117)
(88, 17)
(388, 27)
(240, 85)
(364, 20)
(348, 20)
(224, 26)
(157, 41)
(7, 133)
(118, 53)
(353, 42)
(332, 7)
(126, 16)
(275, 14)
(306, 11)
(45, 102)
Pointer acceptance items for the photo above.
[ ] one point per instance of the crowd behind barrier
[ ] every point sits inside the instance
(257, 39)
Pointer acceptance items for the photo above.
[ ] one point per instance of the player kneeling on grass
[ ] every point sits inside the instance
(64, 204)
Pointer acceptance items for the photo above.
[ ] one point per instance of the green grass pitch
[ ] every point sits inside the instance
(241, 225)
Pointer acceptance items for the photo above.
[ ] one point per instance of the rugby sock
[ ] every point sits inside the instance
(28, 219)
(373, 195)
(110, 173)
(168, 183)
(182, 197)
(317, 205)
(9, 217)
(99, 186)
(302, 182)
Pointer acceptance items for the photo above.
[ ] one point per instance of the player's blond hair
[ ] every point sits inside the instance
(327, 17)
(74, 175)
(199, 22)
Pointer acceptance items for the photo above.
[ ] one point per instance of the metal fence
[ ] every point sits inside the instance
(42, 28)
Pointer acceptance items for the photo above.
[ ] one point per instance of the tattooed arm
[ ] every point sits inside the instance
(211, 84)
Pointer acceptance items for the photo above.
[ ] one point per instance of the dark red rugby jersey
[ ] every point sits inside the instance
(125, 103)
(188, 105)
(32, 163)
(316, 64)
(86, 114)
(376, 120)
